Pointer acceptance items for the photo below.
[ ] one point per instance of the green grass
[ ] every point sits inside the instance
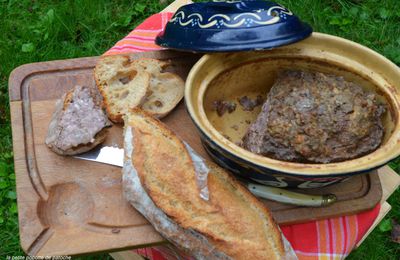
(33, 31)
(44, 30)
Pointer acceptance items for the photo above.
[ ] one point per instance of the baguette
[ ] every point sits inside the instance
(122, 86)
(159, 179)
(78, 123)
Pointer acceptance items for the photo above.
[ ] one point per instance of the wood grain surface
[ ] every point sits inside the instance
(69, 206)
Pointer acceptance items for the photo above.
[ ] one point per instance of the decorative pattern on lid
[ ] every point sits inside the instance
(232, 26)
(272, 15)
(227, 1)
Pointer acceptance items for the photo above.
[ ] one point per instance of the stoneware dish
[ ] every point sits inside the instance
(229, 76)
(232, 26)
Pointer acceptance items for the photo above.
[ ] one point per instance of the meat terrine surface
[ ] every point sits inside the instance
(316, 117)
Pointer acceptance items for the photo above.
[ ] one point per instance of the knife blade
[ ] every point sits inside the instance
(104, 154)
(115, 156)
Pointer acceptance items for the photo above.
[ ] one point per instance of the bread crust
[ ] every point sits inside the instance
(187, 240)
(233, 220)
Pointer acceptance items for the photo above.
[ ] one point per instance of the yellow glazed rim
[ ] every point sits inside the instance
(326, 47)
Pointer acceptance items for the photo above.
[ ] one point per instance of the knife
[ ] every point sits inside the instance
(115, 156)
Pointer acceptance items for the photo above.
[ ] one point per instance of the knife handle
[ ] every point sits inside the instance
(290, 197)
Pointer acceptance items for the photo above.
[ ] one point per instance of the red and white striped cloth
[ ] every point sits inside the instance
(332, 238)
(142, 38)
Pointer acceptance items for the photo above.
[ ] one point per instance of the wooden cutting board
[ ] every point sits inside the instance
(69, 206)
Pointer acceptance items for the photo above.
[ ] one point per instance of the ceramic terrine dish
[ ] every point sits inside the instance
(231, 76)
(229, 93)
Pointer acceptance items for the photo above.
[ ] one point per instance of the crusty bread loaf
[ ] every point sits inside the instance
(122, 86)
(159, 179)
(166, 89)
(78, 123)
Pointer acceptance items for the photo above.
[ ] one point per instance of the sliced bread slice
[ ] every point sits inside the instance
(159, 179)
(122, 85)
(107, 67)
(166, 88)
(78, 123)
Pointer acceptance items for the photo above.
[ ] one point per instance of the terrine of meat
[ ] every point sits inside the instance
(316, 117)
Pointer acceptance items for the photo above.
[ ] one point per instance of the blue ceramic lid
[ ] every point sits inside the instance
(221, 26)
